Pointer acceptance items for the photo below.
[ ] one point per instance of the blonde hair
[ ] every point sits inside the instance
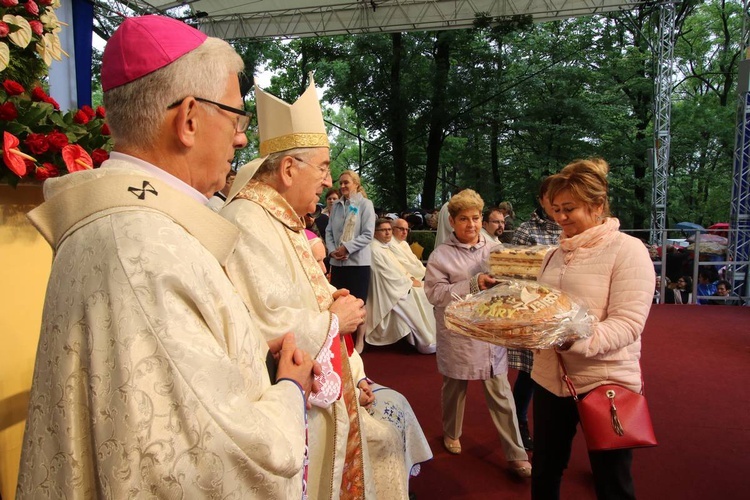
(356, 179)
(595, 163)
(467, 199)
(136, 110)
(587, 182)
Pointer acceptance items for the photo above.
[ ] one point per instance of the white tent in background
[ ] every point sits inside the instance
(231, 19)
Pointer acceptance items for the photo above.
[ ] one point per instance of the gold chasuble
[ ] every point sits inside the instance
(275, 272)
(150, 377)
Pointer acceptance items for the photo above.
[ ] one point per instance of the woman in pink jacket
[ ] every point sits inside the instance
(456, 268)
(610, 273)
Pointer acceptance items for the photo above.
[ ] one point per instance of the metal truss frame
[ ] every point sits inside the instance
(237, 19)
(662, 116)
(739, 236)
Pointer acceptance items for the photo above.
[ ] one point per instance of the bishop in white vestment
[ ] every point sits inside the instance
(283, 285)
(284, 288)
(151, 380)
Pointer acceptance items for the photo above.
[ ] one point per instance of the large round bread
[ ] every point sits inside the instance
(514, 313)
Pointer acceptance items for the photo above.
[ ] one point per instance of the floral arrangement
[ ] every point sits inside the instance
(38, 140)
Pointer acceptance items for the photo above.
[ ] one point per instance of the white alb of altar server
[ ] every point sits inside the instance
(403, 251)
(397, 305)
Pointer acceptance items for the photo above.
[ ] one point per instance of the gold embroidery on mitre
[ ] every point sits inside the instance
(291, 141)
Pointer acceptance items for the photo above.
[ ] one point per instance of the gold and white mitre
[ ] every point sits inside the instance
(282, 127)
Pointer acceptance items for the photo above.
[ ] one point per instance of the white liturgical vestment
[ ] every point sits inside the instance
(285, 288)
(396, 308)
(150, 377)
(411, 264)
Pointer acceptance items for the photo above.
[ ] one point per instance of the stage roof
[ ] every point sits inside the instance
(231, 19)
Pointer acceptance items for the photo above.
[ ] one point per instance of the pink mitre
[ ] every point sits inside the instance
(141, 45)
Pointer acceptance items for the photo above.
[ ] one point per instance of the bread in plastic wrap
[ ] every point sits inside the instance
(517, 261)
(520, 314)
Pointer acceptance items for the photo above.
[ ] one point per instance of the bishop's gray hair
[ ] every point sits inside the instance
(136, 110)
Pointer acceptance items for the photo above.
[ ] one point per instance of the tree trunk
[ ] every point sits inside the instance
(398, 124)
(437, 119)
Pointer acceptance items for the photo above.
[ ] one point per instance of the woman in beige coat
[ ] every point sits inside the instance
(456, 268)
(612, 275)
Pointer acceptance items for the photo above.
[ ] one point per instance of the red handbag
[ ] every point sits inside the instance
(612, 416)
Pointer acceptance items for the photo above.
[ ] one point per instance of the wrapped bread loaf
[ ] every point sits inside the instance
(516, 261)
(520, 314)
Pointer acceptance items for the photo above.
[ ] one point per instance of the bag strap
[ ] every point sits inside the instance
(550, 258)
(572, 388)
(566, 379)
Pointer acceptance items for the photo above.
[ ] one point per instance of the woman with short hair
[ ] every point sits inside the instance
(455, 269)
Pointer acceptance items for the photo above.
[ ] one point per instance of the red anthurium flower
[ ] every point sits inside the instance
(81, 117)
(8, 111)
(37, 27)
(99, 156)
(12, 157)
(45, 172)
(100, 112)
(88, 110)
(37, 143)
(32, 8)
(57, 140)
(4, 29)
(76, 158)
(12, 87)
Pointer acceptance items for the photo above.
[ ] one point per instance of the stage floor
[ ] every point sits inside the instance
(696, 363)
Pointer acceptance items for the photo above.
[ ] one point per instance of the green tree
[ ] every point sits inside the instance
(500, 106)
(707, 52)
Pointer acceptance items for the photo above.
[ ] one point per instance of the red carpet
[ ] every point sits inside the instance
(696, 363)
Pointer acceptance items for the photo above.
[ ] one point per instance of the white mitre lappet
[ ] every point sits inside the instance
(282, 127)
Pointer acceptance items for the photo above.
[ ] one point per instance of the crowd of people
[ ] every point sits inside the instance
(202, 330)
(712, 287)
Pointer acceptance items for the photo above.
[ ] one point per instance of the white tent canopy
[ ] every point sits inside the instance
(231, 19)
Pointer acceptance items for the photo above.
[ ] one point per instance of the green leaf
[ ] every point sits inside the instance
(57, 119)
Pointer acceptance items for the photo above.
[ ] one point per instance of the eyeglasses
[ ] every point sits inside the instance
(386, 229)
(243, 120)
(324, 171)
(401, 229)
